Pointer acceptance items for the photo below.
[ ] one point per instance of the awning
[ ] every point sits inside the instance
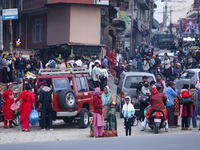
(83, 44)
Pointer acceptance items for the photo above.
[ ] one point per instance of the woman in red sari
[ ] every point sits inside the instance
(28, 102)
(113, 59)
(7, 102)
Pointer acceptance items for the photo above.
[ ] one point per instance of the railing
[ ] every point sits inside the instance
(77, 70)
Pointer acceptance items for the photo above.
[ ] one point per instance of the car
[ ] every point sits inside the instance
(128, 86)
(161, 57)
(72, 96)
(189, 76)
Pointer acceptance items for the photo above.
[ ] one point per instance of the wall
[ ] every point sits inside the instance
(85, 24)
(58, 20)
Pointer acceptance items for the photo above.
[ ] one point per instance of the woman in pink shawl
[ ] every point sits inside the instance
(98, 120)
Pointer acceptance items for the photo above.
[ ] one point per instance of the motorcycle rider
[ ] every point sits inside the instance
(157, 102)
(177, 70)
(181, 54)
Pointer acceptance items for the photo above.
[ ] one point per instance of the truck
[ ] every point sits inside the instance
(165, 41)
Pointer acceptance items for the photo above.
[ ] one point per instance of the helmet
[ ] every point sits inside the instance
(136, 50)
(130, 61)
(178, 64)
(158, 86)
(154, 56)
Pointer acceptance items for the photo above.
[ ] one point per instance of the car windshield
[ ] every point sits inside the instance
(187, 75)
(60, 84)
(133, 82)
(162, 58)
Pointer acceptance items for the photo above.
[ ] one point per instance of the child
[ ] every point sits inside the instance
(112, 117)
(128, 111)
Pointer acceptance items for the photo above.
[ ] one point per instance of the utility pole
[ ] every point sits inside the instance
(1, 25)
(11, 31)
(170, 21)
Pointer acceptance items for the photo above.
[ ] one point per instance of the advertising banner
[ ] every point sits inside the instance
(188, 27)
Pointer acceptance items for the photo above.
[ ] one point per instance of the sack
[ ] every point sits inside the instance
(14, 107)
(110, 133)
(142, 97)
(33, 117)
(106, 127)
(8, 69)
(186, 101)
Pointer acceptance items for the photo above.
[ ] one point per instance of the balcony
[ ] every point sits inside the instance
(193, 12)
(144, 4)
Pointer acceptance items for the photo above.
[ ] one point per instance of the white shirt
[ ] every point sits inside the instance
(167, 62)
(90, 67)
(98, 61)
(119, 58)
(103, 73)
(79, 63)
(146, 65)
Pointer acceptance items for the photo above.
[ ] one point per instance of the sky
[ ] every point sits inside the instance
(158, 15)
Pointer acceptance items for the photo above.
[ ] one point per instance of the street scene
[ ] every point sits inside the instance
(109, 74)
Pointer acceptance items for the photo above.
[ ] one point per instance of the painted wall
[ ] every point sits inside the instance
(58, 20)
(85, 24)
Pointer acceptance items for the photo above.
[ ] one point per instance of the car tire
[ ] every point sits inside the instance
(67, 99)
(84, 118)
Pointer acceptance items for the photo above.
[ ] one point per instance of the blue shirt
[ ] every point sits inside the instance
(170, 93)
(1, 62)
(198, 93)
(194, 63)
(137, 55)
(105, 62)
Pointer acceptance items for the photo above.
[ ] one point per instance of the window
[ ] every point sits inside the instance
(60, 84)
(133, 82)
(37, 30)
(19, 30)
(187, 75)
(90, 83)
(81, 84)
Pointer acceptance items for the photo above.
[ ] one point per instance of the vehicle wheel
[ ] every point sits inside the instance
(156, 130)
(67, 99)
(68, 120)
(84, 121)
(16, 121)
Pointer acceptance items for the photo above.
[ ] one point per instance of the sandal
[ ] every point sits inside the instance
(5, 127)
(23, 130)
(182, 128)
(11, 127)
(27, 130)
(188, 129)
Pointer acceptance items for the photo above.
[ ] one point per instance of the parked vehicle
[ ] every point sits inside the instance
(128, 86)
(72, 96)
(156, 121)
(165, 40)
(189, 76)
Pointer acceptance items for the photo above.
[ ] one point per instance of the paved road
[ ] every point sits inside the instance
(187, 141)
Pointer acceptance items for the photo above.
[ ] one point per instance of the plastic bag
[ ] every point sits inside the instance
(33, 117)
(14, 107)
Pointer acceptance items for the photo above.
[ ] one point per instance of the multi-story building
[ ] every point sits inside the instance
(193, 12)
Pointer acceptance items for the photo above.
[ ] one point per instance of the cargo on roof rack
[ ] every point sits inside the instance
(78, 70)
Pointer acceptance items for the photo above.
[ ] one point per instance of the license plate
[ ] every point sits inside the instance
(157, 120)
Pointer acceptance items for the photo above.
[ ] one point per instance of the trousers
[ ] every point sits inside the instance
(47, 109)
(170, 110)
(128, 126)
(98, 131)
(6, 122)
(184, 122)
(25, 124)
(194, 120)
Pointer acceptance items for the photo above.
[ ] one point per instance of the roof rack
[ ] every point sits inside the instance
(77, 70)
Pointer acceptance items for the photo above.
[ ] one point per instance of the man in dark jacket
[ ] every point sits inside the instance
(45, 100)
(35, 65)
(20, 65)
(170, 72)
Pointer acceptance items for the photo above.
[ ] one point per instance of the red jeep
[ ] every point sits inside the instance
(72, 97)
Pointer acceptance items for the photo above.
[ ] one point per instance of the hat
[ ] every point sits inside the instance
(42, 84)
(113, 103)
(153, 56)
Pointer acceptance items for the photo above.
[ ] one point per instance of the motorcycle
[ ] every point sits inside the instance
(156, 121)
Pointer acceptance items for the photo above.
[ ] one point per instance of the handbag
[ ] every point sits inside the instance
(185, 101)
(142, 97)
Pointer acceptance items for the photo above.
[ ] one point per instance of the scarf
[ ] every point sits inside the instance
(106, 97)
(154, 90)
(97, 91)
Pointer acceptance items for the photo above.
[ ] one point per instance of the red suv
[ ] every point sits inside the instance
(72, 96)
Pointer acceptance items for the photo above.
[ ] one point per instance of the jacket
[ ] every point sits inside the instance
(177, 71)
(139, 66)
(45, 95)
(186, 94)
(18, 63)
(193, 93)
(128, 110)
(34, 64)
(170, 93)
(1, 62)
(97, 103)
